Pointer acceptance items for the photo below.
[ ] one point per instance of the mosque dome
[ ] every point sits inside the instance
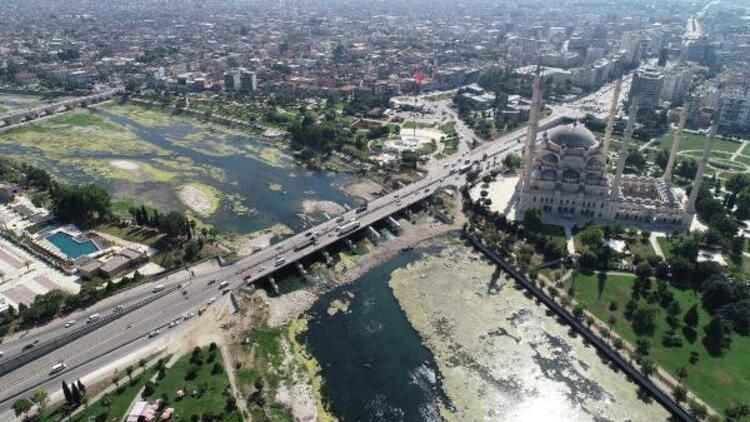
(572, 136)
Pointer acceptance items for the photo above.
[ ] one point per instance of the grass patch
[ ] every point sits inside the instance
(206, 392)
(119, 403)
(132, 234)
(720, 381)
(640, 248)
(691, 141)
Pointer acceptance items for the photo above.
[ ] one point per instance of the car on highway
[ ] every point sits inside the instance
(59, 366)
(153, 333)
(92, 318)
(70, 323)
(2, 354)
(223, 284)
(30, 346)
(212, 300)
(210, 282)
(158, 288)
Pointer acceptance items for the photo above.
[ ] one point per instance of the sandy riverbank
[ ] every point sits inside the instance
(318, 207)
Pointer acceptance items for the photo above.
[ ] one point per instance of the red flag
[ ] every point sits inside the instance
(418, 76)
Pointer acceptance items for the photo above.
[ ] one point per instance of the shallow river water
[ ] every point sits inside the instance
(424, 339)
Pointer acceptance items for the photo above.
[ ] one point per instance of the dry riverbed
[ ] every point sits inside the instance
(500, 355)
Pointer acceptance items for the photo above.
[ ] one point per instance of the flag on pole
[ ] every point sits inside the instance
(418, 76)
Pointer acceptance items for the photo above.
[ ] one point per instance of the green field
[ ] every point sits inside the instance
(720, 381)
(692, 141)
(212, 388)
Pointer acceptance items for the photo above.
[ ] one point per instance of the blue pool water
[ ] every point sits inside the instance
(71, 247)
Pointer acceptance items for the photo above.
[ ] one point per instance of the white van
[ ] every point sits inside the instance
(59, 366)
(158, 288)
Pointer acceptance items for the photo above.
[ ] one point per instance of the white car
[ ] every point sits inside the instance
(70, 323)
(153, 333)
(212, 300)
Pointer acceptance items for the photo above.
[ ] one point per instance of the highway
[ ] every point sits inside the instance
(130, 332)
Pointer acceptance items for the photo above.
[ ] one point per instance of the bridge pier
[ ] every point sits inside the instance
(374, 235)
(301, 269)
(395, 225)
(350, 244)
(327, 257)
(274, 286)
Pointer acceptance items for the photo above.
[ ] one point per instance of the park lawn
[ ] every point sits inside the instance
(720, 381)
(121, 399)
(691, 141)
(743, 159)
(638, 247)
(216, 389)
(666, 246)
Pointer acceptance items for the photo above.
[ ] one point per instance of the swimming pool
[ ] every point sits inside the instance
(70, 246)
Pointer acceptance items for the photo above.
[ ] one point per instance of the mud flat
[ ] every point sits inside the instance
(200, 198)
(319, 207)
(500, 355)
(364, 188)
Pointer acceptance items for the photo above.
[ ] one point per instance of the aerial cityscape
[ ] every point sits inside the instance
(388, 211)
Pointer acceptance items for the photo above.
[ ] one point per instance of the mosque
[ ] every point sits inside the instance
(565, 174)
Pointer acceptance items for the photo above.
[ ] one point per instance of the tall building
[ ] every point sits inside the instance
(646, 87)
(734, 116)
(248, 81)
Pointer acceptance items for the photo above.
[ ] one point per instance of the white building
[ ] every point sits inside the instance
(565, 175)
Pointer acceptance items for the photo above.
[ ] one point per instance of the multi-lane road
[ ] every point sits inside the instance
(131, 331)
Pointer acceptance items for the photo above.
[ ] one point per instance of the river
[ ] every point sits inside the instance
(424, 338)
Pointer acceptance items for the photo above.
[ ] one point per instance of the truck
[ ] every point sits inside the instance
(348, 227)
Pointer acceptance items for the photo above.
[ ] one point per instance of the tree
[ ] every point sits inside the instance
(592, 237)
(691, 318)
(129, 372)
(532, 218)
(647, 367)
(662, 158)
(698, 410)
(21, 407)
(679, 393)
(40, 398)
(719, 292)
(717, 337)
(512, 162)
(66, 393)
(644, 270)
(643, 320)
(643, 346)
(81, 387)
(75, 394)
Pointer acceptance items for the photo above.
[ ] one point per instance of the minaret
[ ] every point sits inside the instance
(623, 155)
(612, 116)
(534, 111)
(676, 138)
(698, 181)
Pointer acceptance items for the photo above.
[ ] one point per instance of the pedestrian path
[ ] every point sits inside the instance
(738, 152)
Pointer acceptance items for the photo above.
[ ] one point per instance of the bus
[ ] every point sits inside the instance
(348, 227)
